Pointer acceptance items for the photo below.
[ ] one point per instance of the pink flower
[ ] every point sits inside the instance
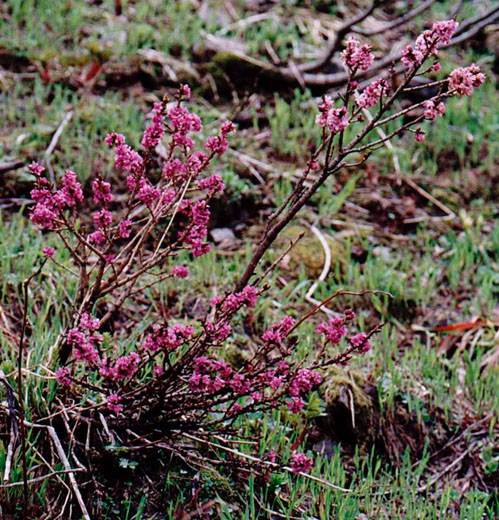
(295, 405)
(216, 144)
(333, 331)
(349, 315)
(103, 219)
(42, 216)
(71, 190)
(234, 409)
(102, 191)
(156, 130)
(126, 366)
(49, 252)
(336, 119)
(158, 370)
(185, 91)
(182, 140)
(168, 338)
(196, 162)
(124, 228)
(213, 183)
(239, 384)
(200, 213)
(113, 403)
(278, 331)
(217, 331)
(75, 337)
(88, 322)
(127, 159)
(223, 368)
(180, 271)
(463, 80)
(357, 56)
(147, 193)
(313, 165)
(419, 136)
(372, 94)
(256, 396)
(361, 341)
(62, 376)
(228, 127)
(411, 57)
(428, 42)
(444, 30)
(85, 352)
(248, 296)
(183, 121)
(36, 168)
(432, 110)
(97, 237)
(300, 463)
(304, 381)
(174, 169)
(114, 139)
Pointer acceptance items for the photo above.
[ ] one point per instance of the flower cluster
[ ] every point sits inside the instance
(372, 93)
(218, 144)
(433, 110)
(156, 130)
(168, 338)
(278, 331)
(357, 56)
(333, 330)
(302, 382)
(84, 344)
(214, 375)
(428, 42)
(361, 342)
(248, 296)
(336, 119)
(48, 211)
(300, 463)
(465, 79)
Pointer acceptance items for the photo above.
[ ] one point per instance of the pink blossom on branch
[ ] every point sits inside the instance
(361, 342)
(333, 330)
(428, 42)
(419, 135)
(432, 110)
(213, 184)
(465, 79)
(336, 119)
(125, 228)
(300, 463)
(48, 252)
(101, 191)
(356, 55)
(180, 271)
(113, 405)
(103, 219)
(62, 376)
(156, 130)
(372, 94)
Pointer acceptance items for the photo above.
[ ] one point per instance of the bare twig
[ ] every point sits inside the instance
(265, 462)
(62, 455)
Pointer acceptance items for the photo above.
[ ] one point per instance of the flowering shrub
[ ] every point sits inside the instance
(174, 379)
